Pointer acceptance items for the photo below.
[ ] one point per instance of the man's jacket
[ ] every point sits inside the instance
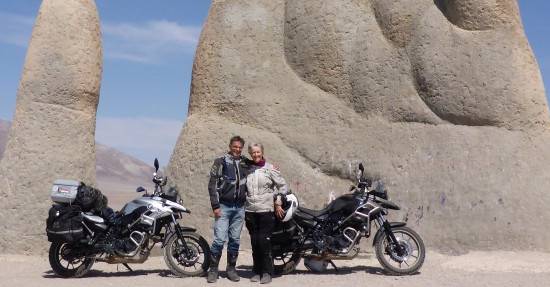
(227, 184)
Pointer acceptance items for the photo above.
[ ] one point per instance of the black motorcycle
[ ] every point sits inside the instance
(334, 233)
(80, 237)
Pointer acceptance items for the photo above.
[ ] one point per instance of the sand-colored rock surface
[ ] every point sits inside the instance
(4, 130)
(442, 100)
(52, 134)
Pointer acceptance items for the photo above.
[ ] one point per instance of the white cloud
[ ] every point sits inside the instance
(147, 42)
(142, 137)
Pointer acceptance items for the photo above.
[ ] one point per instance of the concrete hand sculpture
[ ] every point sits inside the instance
(53, 129)
(443, 100)
(462, 62)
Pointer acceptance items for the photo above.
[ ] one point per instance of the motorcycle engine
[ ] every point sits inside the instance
(336, 243)
(326, 241)
(322, 238)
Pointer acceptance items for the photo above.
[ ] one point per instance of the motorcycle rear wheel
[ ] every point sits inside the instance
(193, 261)
(64, 264)
(401, 264)
(286, 263)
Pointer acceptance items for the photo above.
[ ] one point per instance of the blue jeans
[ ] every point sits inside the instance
(228, 227)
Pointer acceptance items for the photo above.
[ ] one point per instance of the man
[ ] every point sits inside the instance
(227, 189)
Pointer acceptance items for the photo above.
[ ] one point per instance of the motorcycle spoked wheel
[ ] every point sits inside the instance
(65, 264)
(410, 261)
(187, 262)
(286, 263)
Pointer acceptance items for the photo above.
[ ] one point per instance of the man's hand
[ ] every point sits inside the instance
(217, 213)
(279, 212)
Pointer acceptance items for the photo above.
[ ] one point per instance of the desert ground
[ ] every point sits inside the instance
(499, 268)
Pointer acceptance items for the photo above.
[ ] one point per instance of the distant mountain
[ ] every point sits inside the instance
(118, 174)
(114, 165)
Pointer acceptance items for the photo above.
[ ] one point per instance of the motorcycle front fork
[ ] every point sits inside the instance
(383, 223)
(179, 233)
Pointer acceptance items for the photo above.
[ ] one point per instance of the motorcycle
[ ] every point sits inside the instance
(334, 233)
(79, 239)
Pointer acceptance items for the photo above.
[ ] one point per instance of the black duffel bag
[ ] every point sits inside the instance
(90, 199)
(64, 223)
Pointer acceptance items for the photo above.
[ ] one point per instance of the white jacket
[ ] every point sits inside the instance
(262, 184)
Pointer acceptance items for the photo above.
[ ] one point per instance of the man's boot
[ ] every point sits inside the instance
(230, 270)
(213, 271)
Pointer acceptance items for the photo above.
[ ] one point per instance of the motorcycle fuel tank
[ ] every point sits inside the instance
(139, 202)
(346, 204)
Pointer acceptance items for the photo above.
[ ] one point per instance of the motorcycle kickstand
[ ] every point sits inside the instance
(127, 267)
(334, 266)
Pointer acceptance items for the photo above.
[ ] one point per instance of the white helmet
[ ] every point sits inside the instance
(290, 204)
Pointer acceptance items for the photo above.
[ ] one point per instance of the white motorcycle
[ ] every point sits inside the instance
(78, 238)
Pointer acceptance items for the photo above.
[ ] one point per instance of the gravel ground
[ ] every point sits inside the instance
(473, 269)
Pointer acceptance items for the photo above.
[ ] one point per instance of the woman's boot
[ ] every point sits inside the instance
(266, 278)
(231, 263)
(267, 268)
(257, 265)
(213, 271)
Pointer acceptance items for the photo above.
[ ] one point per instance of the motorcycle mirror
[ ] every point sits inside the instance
(140, 189)
(360, 172)
(156, 165)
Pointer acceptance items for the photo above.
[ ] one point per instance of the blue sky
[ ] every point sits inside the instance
(148, 57)
(148, 49)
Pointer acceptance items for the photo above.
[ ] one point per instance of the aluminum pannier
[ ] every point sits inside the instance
(64, 191)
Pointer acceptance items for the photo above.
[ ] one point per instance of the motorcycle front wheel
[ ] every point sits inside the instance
(401, 261)
(187, 256)
(66, 262)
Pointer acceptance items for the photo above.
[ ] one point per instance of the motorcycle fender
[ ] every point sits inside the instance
(397, 224)
(182, 228)
(188, 229)
(380, 231)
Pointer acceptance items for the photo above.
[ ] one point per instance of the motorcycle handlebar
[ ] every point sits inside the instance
(160, 180)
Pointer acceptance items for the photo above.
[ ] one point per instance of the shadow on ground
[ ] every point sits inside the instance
(246, 271)
(125, 273)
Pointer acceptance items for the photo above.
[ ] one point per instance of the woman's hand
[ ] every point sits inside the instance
(279, 212)
(217, 213)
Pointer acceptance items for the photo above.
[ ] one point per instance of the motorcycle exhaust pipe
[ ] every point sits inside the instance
(348, 256)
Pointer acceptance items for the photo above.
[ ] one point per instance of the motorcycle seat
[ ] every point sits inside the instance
(93, 218)
(307, 213)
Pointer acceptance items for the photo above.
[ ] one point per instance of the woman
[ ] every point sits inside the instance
(263, 182)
